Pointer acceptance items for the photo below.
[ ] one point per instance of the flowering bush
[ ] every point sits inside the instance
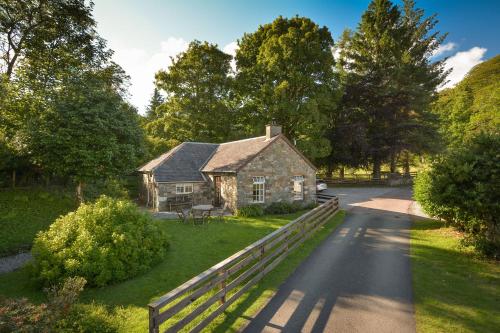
(19, 315)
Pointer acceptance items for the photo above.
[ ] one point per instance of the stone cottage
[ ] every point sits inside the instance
(259, 170)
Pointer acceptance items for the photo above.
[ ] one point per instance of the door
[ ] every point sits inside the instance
(217, 191)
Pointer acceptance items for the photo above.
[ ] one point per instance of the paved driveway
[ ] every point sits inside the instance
(358, 279)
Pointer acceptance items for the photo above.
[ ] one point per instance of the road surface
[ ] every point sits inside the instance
(358, 279)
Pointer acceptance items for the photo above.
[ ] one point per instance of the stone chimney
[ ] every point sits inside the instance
(272, 130)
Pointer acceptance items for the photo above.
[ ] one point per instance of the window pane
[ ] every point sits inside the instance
(258, 189)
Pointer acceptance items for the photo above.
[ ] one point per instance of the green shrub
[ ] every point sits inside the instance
(250, 211)
(111, 187)
(463, 188)
(108, 241)
(19, 315)
(85, 318)
(282, 208)
(287, 207)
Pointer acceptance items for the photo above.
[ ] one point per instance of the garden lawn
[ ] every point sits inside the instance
(23, 213)
(454, 290)
(192, 250)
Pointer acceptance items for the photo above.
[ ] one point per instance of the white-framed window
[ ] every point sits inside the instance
(298, 187)
(259, 189)
(183, 188)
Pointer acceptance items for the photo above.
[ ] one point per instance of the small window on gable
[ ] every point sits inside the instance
(258, 190)
(298, 187)
(183, 188)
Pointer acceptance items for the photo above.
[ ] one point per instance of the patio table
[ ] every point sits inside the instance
(205, 208)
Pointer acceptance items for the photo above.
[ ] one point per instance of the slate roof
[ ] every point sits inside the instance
(182, 163)
(231, 156)
(189, 160)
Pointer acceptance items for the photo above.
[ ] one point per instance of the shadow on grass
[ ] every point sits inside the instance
(192, 250)
(454, 290)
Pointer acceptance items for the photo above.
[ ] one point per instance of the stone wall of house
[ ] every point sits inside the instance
(202, 194)
(278, 163)
(228, 188)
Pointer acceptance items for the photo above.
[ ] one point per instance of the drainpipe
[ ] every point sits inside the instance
(147, 189)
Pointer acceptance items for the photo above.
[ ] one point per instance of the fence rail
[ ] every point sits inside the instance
(228, 280)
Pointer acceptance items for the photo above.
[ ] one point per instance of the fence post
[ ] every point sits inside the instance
(153, 313)
(223, 286)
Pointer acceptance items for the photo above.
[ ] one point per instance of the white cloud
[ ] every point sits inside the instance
(142, 66)
(461, 63)
(443, 48)
(231, 49)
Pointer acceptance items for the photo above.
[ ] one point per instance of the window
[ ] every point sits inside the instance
(183, 188)
(258, 189)
(298, 187)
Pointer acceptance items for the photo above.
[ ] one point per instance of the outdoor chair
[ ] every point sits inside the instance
(199, 217)
(219, 213)
(183, 215)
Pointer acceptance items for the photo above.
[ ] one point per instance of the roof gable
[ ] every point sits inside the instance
(182, 163)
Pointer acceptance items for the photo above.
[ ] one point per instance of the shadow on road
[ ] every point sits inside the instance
(358, 279)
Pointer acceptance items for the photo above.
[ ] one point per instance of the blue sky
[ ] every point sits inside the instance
(144, 34)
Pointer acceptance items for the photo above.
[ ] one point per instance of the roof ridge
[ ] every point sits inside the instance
(253, 138)
(202, 143)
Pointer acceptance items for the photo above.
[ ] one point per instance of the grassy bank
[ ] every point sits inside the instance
(25, 212)
(455, 290)
(122, 307)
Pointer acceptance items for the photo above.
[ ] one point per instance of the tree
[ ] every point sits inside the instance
(33, 28)
(472, 106)
(463, 189)
(154, 103)
(67, 112)
(285, 74)
(198, 87)
(390, 75)
(88, 131)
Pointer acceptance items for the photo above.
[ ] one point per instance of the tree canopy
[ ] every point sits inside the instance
(285, 74)
(388, 74)
(472, 106)
(198, 88)
(63, 104)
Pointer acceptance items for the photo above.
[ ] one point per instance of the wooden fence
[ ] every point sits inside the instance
(366, 179)
(200, 300)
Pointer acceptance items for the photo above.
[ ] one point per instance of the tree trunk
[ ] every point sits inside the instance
(393, 162)
(342, 172)
(406, 164)
(14, 178)
(329, 170)
(79, 193)
(376, 167)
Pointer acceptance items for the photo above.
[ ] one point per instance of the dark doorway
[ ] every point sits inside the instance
(217, 191)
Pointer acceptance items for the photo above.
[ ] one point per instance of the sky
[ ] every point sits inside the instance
(144, 34)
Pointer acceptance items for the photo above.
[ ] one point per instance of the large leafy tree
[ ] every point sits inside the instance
(33, 28)
(66, 111)
(285, 74)
(390, 76)
(87, 131)
(198, 86)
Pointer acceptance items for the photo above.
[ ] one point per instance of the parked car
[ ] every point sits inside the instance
(320, 185)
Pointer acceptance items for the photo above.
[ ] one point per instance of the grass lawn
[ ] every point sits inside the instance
(25, 212)
(192, 250)
(454, 290)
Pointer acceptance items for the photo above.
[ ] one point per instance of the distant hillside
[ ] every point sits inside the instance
(473, 105)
